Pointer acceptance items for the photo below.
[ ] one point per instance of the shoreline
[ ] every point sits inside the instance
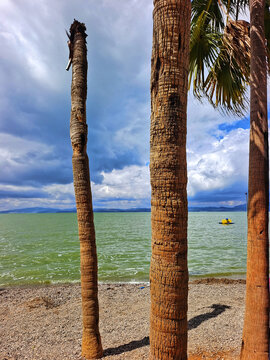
(45, 320)
(207, 278)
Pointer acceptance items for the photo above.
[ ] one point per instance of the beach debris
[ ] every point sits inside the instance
(39, 302)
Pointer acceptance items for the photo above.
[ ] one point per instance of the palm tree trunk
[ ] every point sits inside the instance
(168, 173)
(255, 344)
(91, 343)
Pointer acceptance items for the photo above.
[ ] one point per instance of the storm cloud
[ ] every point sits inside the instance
(35, 150)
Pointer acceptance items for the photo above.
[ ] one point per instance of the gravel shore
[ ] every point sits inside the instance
(44, 322)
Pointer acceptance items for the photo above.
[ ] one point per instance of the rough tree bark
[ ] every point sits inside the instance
(255, 343)
(91, 343)
(168, 174)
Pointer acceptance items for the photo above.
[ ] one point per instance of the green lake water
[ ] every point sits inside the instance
(44, 248)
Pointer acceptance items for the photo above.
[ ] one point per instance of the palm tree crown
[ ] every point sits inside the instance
(220, 52)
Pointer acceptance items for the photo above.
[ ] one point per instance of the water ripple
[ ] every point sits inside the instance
(44, 248)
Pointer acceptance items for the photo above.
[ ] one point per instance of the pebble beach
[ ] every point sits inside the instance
(44, 322)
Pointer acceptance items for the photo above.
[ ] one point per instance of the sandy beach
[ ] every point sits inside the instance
(44, 322)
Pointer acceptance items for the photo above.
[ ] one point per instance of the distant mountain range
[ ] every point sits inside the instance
(220, 209)
(40, 210)
(37, 210)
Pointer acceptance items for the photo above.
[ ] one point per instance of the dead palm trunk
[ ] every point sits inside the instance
(91, 343)
(255, 344)
(168, 172)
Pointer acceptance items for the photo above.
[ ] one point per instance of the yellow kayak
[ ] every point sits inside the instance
(226, 222)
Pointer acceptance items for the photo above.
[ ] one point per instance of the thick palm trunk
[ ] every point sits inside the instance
(168, 172)
(91, 343)
(255, 344)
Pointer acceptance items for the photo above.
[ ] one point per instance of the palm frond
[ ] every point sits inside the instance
(237, 40)
(215, 17)
(225, 87)
(220, 53)
(204, 45)
(226, 61)
(237, 6)
(227, 81)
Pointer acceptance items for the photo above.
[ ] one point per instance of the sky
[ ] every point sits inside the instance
(35, 149)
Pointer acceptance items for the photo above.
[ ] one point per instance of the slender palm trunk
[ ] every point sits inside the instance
(91, 343)
(255, 344)
(168, 172)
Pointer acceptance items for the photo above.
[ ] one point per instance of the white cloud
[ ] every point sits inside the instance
(135, 132)
(13, 146)
(126, 188)
(30, 45)
(21, 203)
(132, 182)
(17, 188)
(219, 165)
(18, 154)
(119, 40)
(60, 191)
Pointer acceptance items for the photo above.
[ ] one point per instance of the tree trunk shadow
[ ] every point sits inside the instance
(192, 324)
(197, 320)
(136, 344)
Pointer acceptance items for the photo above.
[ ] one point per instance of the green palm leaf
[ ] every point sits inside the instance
(218, 70)
(215, 16)
(220, 54)
(225, 86)
(204, 45)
